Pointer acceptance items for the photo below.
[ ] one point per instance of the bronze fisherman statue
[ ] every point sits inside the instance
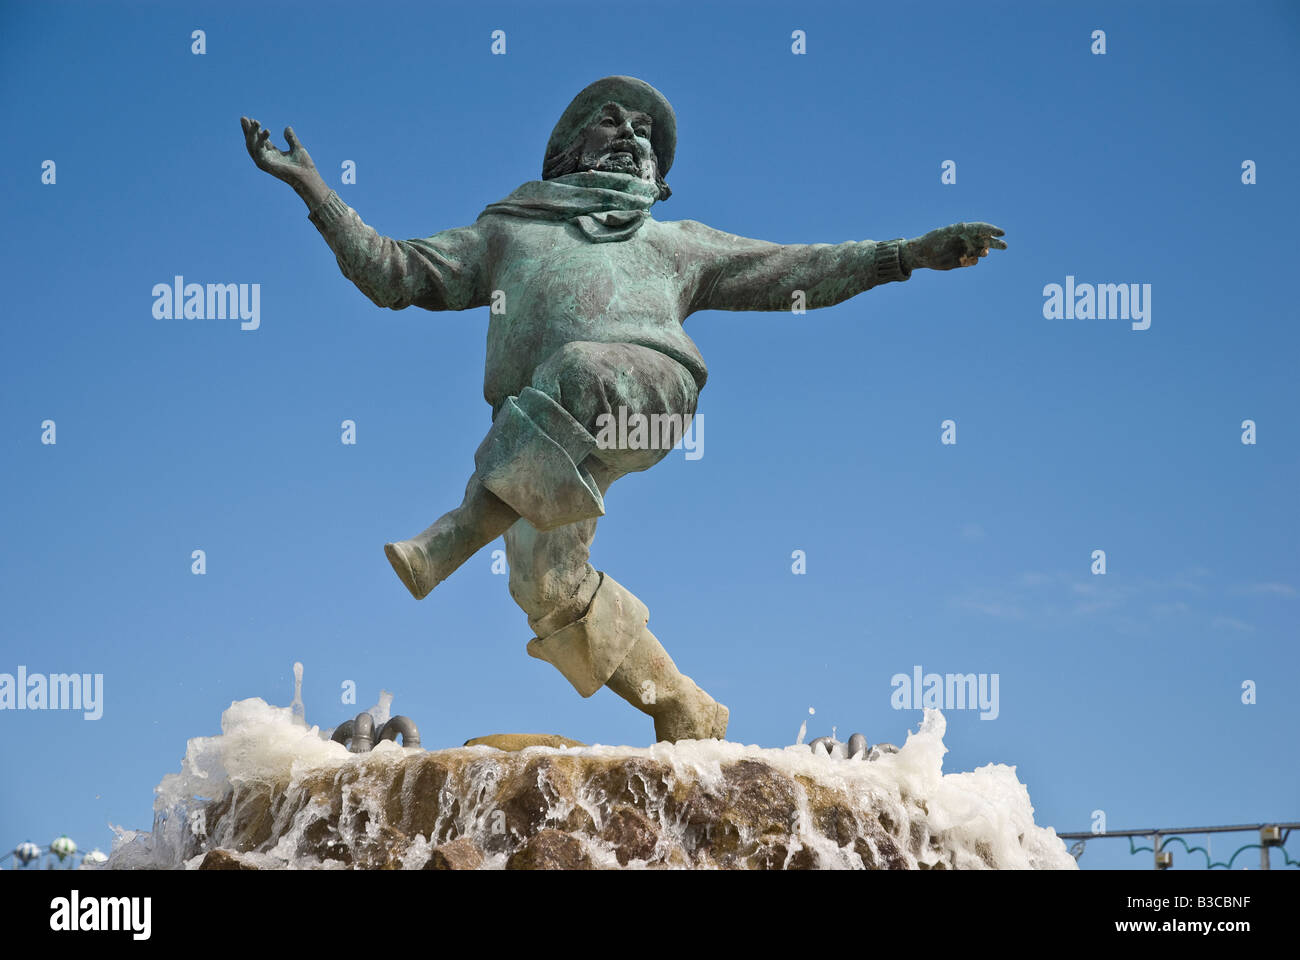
(588, 294)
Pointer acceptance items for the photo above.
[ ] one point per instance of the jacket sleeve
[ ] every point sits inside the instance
(728, 272)
(447, 271)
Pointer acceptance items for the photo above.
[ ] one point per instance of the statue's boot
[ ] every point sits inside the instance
(431, 557)
(611, 646)
(650, 681)
(529, 465)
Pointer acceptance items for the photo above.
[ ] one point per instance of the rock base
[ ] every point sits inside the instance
(293, 802)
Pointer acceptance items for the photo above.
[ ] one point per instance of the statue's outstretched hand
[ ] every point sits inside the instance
(293, 167)
(960, 245)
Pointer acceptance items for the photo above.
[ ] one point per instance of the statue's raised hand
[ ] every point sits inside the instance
(294, 167)
(960, 245)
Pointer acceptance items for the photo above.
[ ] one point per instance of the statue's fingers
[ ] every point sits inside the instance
(997, 244)
(293, 140)
(251, 142)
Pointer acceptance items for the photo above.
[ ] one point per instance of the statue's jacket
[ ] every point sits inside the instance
(579, 258)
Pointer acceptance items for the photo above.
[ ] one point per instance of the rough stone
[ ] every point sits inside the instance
(459, 854)
(224, 860)
(712, 807)
(511, 742)
(631, 833)
(550, 850)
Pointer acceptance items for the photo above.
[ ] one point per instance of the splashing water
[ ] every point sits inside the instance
(803, 729)
(299, 713)
(380, 711)
(258, 743)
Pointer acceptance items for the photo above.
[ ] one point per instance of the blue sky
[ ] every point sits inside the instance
(1120, 692)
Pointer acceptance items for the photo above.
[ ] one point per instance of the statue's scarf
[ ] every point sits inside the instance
(604, 206)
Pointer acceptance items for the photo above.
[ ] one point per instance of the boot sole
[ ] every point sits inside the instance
(402, 566)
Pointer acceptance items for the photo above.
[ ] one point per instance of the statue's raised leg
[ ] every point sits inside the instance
(530, 465)
(537, 460)
(427, 559)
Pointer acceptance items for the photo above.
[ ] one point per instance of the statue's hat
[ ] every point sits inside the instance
(631, 93)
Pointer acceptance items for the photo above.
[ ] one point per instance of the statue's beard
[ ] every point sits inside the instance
(620, 161)
(638, 163)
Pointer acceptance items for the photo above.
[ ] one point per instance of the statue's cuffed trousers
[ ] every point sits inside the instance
(551, 577)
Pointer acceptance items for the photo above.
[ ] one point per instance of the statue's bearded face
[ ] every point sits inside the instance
(618, 141)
